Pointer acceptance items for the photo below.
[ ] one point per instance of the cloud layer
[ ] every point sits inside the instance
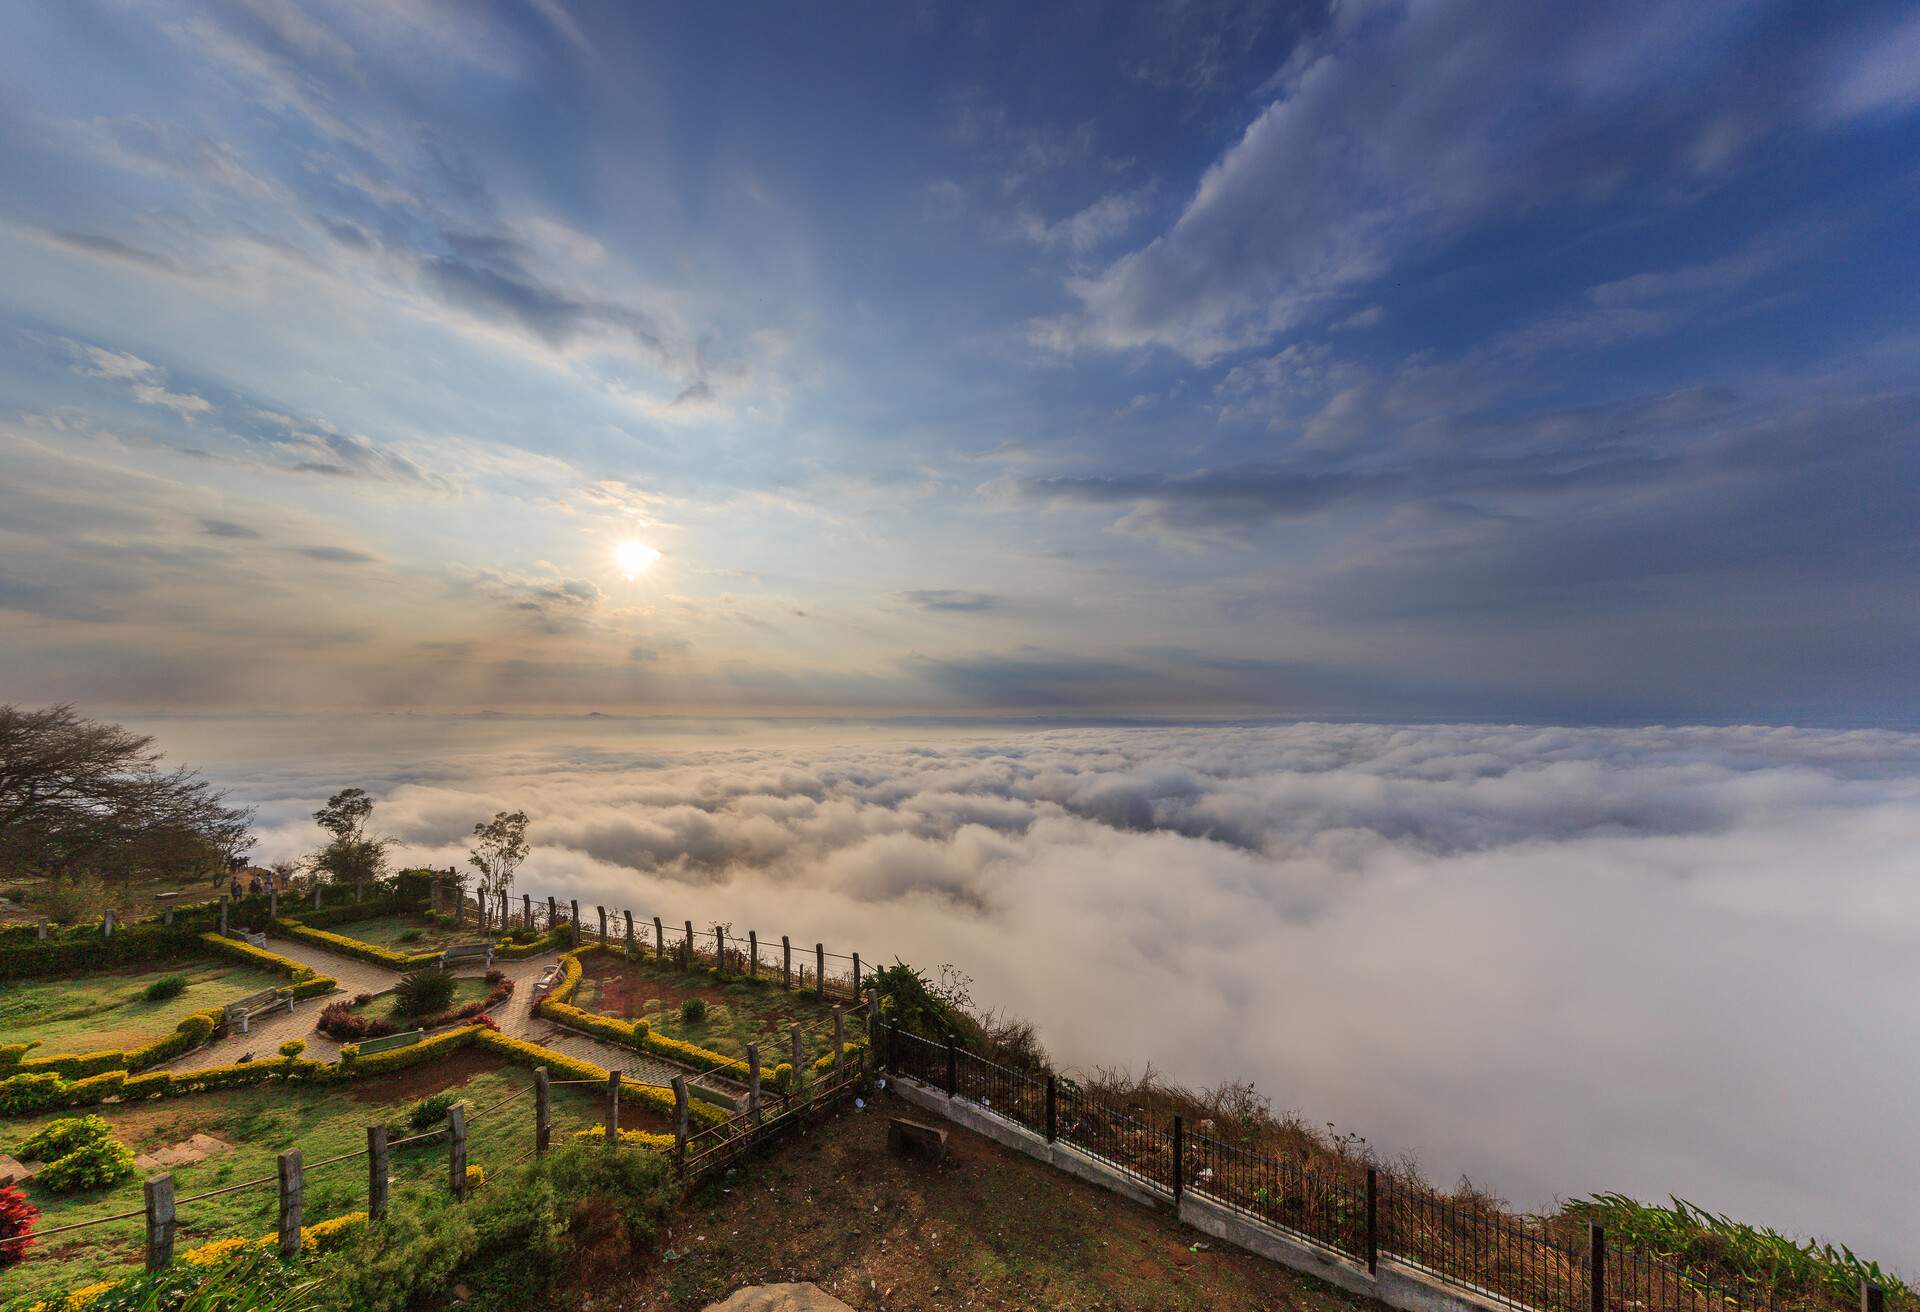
(1553, 960)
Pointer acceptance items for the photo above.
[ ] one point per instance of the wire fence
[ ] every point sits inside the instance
(1359, 1215)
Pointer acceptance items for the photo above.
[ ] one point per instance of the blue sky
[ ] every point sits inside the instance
(1440, 359)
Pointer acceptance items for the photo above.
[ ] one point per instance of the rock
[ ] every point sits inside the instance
(12, 1172)
(780, 1298)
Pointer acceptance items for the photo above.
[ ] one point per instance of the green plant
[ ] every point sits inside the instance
(246, 1279)
(693, 1010)
(58, 1138)
(424, 992)
(430, 1111)
(407, 936)
(167, 986)
(93, 1165)
(71, 898)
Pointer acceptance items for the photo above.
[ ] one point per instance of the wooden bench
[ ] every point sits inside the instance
(467, 952)
(547, 979)
(255, 1004)
(916, 1138)
(370, 1046)
(258, 940)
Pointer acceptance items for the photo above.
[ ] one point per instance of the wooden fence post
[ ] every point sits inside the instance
(1179, 1158)
(1373, 1221)
(457, 1149)
(292, 1189)
(377, 1172)
(753, 955)
(1872, 1297)
(1053, 1112)
(629, 916)
(799, 1059)
(223, 914)
(753, 1083)
(680, 1124)
(166, 915)
(820, 970)
(613, 1107)
(839, 1043)
(106, 924)
(686, 948)
(526, 910)
(542, 1110)
(159, 1198)
(873, 1026)
(1596, 1267)
(553, 915)
(273, 905)
(575, 904)
(953, 1070)
(720, 949)
(659, 941)
(40, 927)
(856, 974)
(603, 923)
(786, 962)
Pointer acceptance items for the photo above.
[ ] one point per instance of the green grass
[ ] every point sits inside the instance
(109, 1010)
(739, 1012)
(385, 932)
(465, 989)
(322, 1121)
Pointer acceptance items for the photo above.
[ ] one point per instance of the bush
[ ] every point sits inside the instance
(693, 1010)
(17, 1216)
(407, 936)
(58, 1138)
(424, 992)
(72, 898)
(476, 1176)
(430, 1111)
(293, 1048)
(167, 986)
(93, 1165)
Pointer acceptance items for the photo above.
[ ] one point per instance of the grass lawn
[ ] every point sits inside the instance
(322, 1121)
(738, 1012)
(465, 989)
(393, 932)
(106, 1009)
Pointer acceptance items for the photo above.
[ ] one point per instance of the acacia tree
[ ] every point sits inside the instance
(84, 795)
(351, 857)
(500, 845)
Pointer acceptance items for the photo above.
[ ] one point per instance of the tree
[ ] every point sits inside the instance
(84, 795)
(352, 857)
(500, 846)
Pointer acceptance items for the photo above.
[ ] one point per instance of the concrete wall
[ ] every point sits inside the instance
(1395, 1284)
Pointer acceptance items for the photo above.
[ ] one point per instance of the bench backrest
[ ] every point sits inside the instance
(462, 951)
(370, 1046)
(251, 1003)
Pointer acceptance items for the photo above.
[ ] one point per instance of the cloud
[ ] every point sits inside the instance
(1881, 75)
(949, 599)
(1556, 960)
(147, 381)
(1382, 143)
(336, 555)
(226, 528)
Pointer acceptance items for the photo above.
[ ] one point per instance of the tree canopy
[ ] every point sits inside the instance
(84, 795)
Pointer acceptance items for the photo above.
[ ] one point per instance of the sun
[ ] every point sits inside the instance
(634, 557)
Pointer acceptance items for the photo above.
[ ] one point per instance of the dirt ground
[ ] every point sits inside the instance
(988, 1229)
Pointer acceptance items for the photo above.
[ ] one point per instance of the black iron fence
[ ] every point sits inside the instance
(1359, 1214)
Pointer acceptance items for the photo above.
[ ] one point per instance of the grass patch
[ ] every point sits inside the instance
(730, 1014)
(392, 932)
(111, 1010)
(386, 1006)
(322, 1121)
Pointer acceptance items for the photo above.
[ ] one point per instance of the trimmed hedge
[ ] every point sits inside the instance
(638, 1138)
(353, 947)
(189, 1034)
(341, 913)
(307, 982)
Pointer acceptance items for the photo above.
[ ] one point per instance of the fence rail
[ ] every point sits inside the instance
(1362, 1216)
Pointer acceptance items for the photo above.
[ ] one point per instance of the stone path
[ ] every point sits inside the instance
(515, 1017)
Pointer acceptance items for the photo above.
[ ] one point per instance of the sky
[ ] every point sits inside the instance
(1474, 360)
(1550, 960)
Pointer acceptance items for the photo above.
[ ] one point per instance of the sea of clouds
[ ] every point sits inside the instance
(1552, 960)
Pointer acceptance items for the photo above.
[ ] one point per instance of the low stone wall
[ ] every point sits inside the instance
(1395, 1284)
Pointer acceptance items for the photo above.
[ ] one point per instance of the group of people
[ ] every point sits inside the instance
(255, 885)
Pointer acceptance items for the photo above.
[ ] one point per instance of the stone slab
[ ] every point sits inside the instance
(780, 1298)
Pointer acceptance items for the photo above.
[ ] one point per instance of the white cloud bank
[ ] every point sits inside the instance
(1555, 960)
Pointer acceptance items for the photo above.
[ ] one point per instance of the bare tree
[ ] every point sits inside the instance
(500, 845)
(79, 794)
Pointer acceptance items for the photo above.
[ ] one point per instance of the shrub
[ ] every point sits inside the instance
(71, 898)
(58, 1138)
(424, 992)
(693, 1010)
(430, 1111)
(496, 977)
(407, 936)
(29, 1092)
(167, 986)
(293, 1048)
(94, 1165)
(476, 1177)
(17, 1216)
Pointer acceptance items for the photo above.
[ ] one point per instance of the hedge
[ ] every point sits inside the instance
(639, 1138)
(341, 913)
(353, 947)
(307, 982)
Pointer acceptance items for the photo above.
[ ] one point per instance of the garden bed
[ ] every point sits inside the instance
(409, 932)
(322, 1121)
(109, 1009)
(738, 1011)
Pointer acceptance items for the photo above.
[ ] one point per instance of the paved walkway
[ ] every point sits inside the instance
(515, 1017)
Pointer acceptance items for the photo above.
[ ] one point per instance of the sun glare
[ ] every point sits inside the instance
(634, 557)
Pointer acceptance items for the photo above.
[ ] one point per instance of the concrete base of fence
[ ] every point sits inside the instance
(1396, 1285)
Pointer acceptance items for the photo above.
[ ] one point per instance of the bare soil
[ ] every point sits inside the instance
(989, 1228)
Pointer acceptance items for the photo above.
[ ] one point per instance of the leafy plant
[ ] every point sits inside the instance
(693, 1010)
(424, 992)
(407, 936)
(167, 986)
(93, 1165)
(17, 1216)
(71, 898)
(56, 1139)
(244, 1280)
(430, 1111)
